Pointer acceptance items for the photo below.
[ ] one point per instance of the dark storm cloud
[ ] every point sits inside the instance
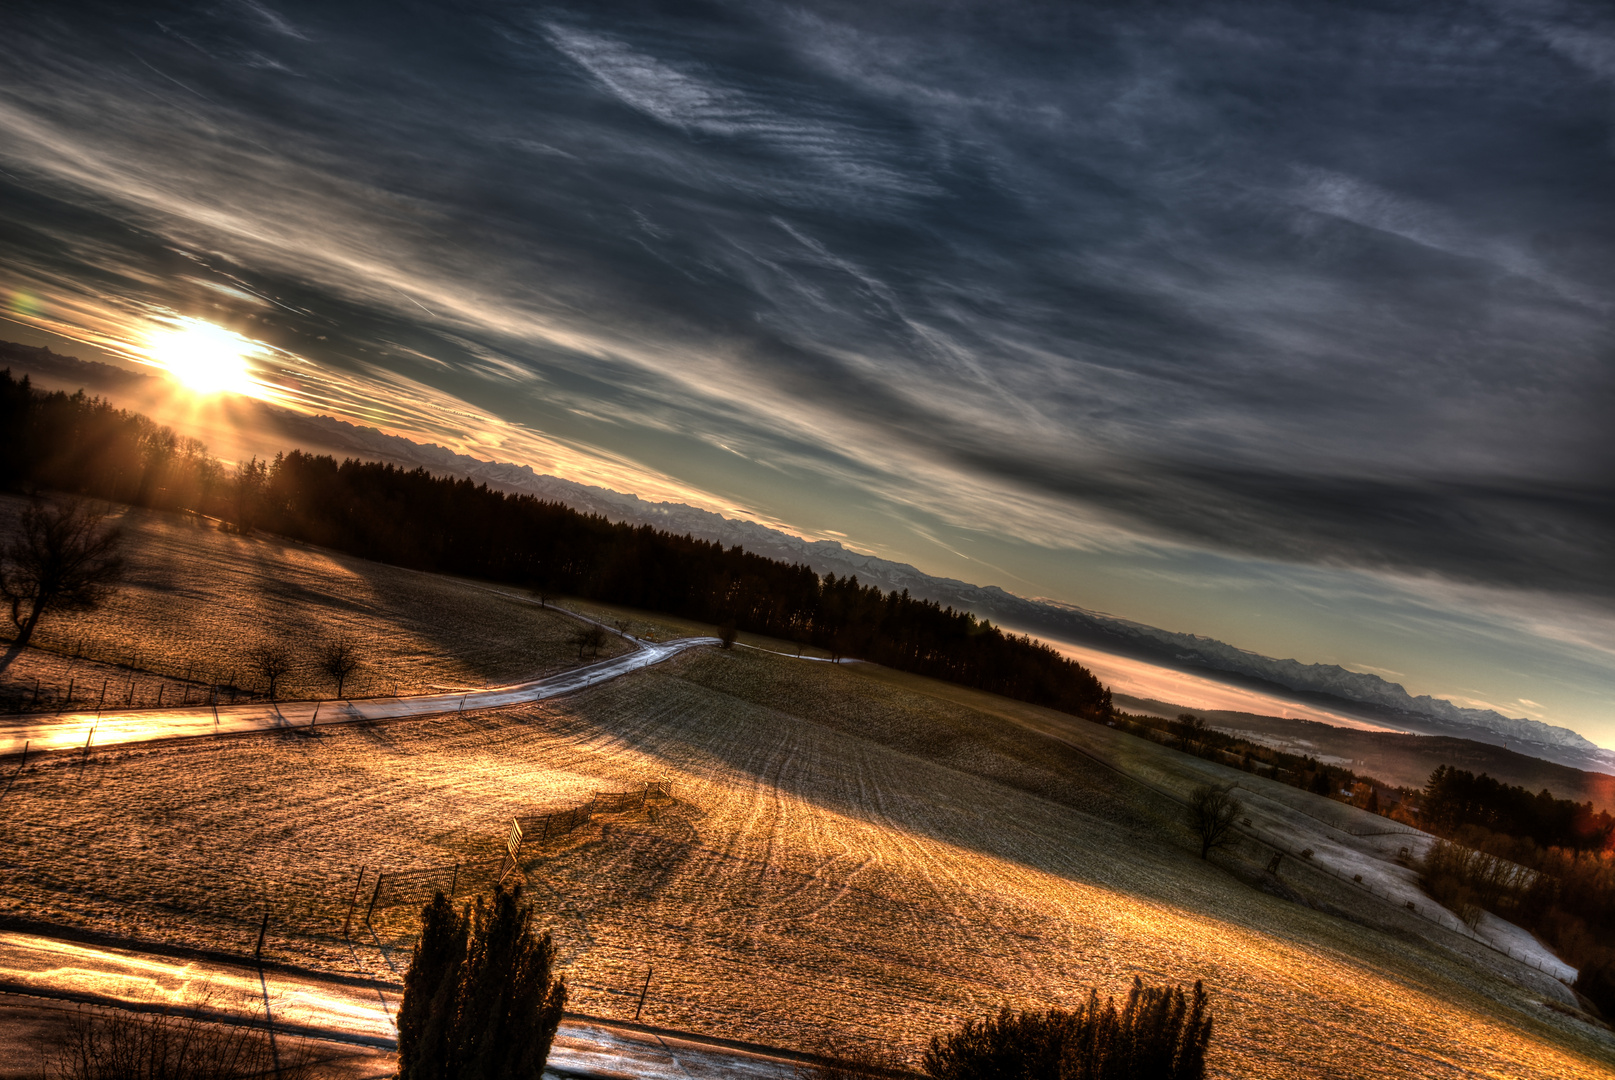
(1280, 278)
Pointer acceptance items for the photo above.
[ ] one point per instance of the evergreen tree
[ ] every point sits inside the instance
(431, 990)
(480, 999)
(86, 446)
(510, 1005)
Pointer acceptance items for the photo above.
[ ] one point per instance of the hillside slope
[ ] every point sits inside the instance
(1333, 686)
(849, 855)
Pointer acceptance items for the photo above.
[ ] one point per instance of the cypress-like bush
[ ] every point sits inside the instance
(1159, 1033)
(480, 998)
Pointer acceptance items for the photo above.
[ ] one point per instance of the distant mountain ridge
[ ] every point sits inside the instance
(1365, 694)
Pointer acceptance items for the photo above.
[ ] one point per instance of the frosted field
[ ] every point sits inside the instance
(849, 857)
(197, 601)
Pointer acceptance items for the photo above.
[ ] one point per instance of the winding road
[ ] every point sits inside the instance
(113, 727)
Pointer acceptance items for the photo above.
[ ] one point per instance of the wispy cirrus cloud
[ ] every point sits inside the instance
(1321, 287)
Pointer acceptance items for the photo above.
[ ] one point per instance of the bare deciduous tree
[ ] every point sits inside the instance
(1191, 733)
(1212, 813)
(61, 558)
(339, 660)
(271, 662)
(591, 637)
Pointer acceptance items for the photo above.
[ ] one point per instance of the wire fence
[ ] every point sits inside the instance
(398, 887)
(541, 827)
(1389, 828)
(140, 680)
(419, 886)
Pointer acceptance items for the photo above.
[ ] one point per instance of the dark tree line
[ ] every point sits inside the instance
(1193, 735)
(411, 518)
(1454, 798)
(1537, 860)
(84, 445)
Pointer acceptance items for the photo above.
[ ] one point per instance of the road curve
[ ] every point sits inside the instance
(120, 727)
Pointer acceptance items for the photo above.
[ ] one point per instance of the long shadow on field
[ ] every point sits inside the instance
(922, 735)
(1002, 789)
(203, 598)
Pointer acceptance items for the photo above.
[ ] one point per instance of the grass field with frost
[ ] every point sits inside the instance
(198, 601)
(847, 858)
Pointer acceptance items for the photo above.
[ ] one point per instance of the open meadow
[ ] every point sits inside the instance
(849, 857)
(197, 602)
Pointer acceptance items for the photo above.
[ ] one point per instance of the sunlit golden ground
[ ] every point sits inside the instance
(846, 859)
(198, 601)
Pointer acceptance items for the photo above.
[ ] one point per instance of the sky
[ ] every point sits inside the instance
(1280, 322)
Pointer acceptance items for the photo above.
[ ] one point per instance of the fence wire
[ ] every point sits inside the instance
(398, 887)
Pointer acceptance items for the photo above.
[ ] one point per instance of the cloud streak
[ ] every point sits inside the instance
(1322, 286)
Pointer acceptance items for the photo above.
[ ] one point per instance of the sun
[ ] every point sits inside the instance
(204, 358)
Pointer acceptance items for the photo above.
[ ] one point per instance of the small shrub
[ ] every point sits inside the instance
(169, 1046)
(856, 1065)
(590, 637)
(1160, 1033)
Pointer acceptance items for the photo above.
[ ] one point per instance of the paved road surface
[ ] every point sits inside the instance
(113, 727)
(307, 1005)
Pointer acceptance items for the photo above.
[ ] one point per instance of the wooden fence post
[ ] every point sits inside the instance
(347, 927)
(373, 898)
(642, 992)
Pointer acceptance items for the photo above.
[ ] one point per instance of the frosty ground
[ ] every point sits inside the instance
(850, 856)
(198, 601)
